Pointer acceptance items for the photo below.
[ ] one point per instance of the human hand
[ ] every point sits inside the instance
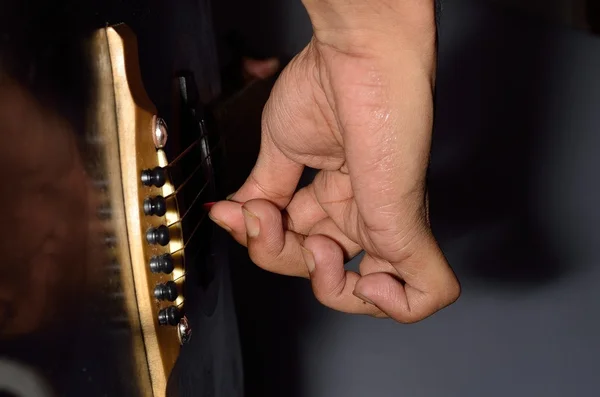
(359, 108)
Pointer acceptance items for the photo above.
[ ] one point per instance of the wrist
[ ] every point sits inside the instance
(371, 26)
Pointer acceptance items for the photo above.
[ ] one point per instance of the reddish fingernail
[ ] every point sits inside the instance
(208, 206)
(309, 259)
(364, 298)
(252, 223)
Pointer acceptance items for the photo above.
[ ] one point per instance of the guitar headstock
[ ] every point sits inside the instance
(153, 183)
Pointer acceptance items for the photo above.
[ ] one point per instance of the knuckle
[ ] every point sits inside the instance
(445, 292)
(329, 294)
(282, 258)
(263, 258)
(273, 193)
(451, 293)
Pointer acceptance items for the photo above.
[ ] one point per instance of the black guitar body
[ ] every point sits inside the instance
(41, 48)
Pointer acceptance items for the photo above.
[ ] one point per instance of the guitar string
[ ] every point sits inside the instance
(208, 159)
(198, 167)
(191, 206)
(184, 183)
(183, 248)
(191, 237)
(195, 201)
(203, 134)
(186, 151)
(123, 321)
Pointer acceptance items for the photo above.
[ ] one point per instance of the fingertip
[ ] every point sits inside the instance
(252, 223)
(324, 250)
(208, 206)
(332, 284)
(227, 215)
(388, 294)
(267, 212)
(226, 212)
(309, 259)
(270, 246)
(399, 301)
(362, 297)
(372, 286)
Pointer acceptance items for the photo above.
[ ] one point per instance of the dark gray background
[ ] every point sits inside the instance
(515, 196)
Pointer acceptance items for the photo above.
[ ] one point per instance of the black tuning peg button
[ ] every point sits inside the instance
(162, 264)
(154, 177)
(166, 292)
(158, 235)
(155, 206)
(169, 316)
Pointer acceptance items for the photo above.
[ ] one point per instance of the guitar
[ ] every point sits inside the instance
(147, 309)
(155, 195)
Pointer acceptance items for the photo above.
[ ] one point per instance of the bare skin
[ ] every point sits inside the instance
(356, 104)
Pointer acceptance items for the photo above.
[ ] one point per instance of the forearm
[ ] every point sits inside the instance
(364, 25)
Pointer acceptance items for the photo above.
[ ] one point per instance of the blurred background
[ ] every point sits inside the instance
(515, 195)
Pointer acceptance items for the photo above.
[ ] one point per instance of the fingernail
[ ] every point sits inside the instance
(364, 298)
(309, 259)
(252, 223)
(221, 224)
(208, 206)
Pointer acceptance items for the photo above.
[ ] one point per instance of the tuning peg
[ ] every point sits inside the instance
(162, 264)
(154, 177)
(166, 292)
(155, 206)
(158, 235)
(169, 316)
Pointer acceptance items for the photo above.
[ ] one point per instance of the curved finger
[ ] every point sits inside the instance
(228, 215)
(327, 227)
(258, 225)
(332, 285)
(300, 216)
(414, 293)
(304, 211)
(375, 265)
(333, 191)
(270, 246)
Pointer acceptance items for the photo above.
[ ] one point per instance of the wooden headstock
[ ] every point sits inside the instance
(145, 221)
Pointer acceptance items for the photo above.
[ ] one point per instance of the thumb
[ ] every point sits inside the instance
(274, 176)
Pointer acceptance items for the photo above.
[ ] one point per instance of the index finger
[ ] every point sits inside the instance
(333, 285)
